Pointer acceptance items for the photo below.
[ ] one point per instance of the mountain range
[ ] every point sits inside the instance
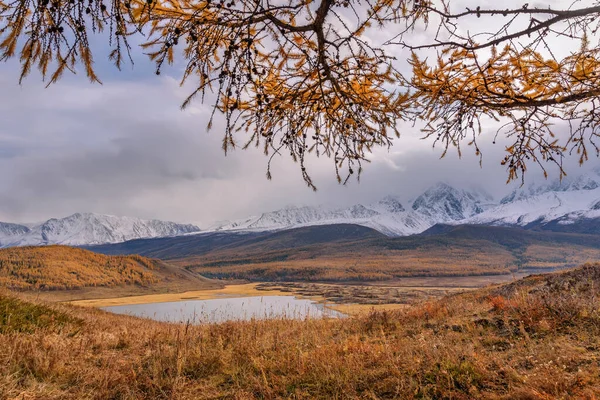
(439, 204)
(570, 205)
(87, 229)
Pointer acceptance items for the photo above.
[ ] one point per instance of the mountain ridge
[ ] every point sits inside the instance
(439, 203)
(570, 205)
(89, 228)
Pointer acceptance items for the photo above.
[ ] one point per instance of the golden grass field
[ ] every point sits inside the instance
(537, 338)
(356, 266)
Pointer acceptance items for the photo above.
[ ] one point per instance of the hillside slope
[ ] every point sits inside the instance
(352, 252)
(204, 243)
(69, 268)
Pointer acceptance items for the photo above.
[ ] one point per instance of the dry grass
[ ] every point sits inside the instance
(536, 339)
(363, 309)
(557, 256)
(360, 294)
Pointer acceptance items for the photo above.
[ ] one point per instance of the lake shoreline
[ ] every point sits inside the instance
(229, 291)
(222, 309)
(408, 291)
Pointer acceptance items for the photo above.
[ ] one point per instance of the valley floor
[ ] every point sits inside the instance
(350, 298)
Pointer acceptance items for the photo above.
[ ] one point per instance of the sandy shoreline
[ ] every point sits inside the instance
(243, 290)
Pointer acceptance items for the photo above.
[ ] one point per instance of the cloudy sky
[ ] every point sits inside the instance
(125, 148)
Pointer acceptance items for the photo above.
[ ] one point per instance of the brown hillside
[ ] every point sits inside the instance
(382, 261)
(346, 252)
(76, 273)
(62, 267)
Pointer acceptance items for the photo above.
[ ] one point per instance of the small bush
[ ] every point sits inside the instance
(17, 316)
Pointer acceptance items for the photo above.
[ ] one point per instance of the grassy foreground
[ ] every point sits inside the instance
(538, 338)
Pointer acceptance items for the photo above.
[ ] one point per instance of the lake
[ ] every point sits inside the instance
(228, 309)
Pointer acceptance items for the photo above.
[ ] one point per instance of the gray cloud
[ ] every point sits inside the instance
(125, 148)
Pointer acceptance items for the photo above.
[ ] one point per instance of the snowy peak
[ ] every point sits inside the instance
(389, 204)
(12, 229)
(445, 203)
(441, 203)
(289, 216)
(584, 182)
(589, 181)
(571, 201)
(88, 228)
(11, 234)
(549, 206)
(298, 216)
(359, 212)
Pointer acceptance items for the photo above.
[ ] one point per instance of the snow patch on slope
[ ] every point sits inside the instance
(542, 208)
(441, 203)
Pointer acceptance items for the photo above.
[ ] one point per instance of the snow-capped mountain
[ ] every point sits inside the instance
(441, 203)
(546, 206)
(7, 229)
(389, 204)
(585, 182)
(570, 205)
(298, 216)
(559, 203)
(87, 228)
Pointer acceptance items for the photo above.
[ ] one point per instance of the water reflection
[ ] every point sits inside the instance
(230, 309)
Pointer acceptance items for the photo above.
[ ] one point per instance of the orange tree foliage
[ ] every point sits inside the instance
(299, 76)
(61, 267)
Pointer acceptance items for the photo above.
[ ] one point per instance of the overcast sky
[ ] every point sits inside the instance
(125, 148)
